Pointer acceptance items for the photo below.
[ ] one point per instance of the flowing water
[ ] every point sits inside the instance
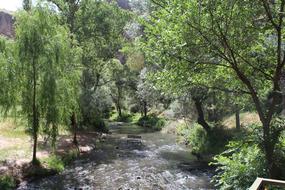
(123, 164)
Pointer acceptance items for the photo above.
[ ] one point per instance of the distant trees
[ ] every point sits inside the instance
(117, 84)
(97, 26)
(100, 34)
(146, 92)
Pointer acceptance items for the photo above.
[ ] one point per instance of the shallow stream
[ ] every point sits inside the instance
(119, 163)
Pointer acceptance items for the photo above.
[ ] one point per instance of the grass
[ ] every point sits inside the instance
(14, 140)
(12, 128)
(246, 118)
(126, 117)
(21, 150)
(135, 117)
(70, 156)
(54, 162)
(7, 182)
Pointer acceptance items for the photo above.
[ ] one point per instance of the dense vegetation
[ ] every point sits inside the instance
(75, 64)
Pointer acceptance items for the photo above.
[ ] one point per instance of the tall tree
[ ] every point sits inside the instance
(42, 45)
(118, 81)
(68, 10)
(237, 40)
(100, 34)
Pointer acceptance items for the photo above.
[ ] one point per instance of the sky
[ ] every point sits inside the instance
(10, 5)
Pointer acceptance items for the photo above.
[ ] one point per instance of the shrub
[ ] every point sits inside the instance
(54, 162)
(197, 139)
(244, 160)
(239, 165)
(135, 118)
(182, 132)
(135, 109)
(100, 125)
(7, 182)
(70, 156)
(124, 118)
(152, 121)
(202, 142)
(159, 124)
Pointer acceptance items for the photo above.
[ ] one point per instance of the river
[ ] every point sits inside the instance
(119, 163)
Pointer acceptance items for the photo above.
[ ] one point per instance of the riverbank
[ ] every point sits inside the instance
(16, 153)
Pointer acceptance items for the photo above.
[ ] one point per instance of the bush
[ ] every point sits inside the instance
(182, 132)
(100, 125)
(70, 156)
(124, 118)
(198, 139)
(135, 109)
(152, 121)
(239, 165)
(55, 163)
(160, 124)
(7, 182)
(244, 160)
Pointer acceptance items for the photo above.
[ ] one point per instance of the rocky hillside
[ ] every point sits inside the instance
(6, 24)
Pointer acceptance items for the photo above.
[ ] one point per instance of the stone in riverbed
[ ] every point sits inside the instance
(134, 136)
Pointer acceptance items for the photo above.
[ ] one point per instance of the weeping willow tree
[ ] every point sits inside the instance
(43, 49)
(8, 75)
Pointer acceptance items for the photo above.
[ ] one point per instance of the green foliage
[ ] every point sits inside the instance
(202, 142)
(152, 121)
(135, 108)
(100, 25)
(222, 45)
(46, 75)
(135, 118)
(244, 159)
(70, 156)
(55, 163)
(197, 139)
(7, 182)
(95, 105)
(100, 125)
(125, 117)
(239, 165)
(8, 75)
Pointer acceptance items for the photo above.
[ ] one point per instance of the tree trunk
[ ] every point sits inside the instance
(201, 119)
(215, 109)
(119, 101)
(144, 108)
(269, 154)
(35, 117)
(237, 110)
(119, 110)
(74, 128)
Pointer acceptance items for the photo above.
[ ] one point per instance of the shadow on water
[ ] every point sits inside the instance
(156, 162)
